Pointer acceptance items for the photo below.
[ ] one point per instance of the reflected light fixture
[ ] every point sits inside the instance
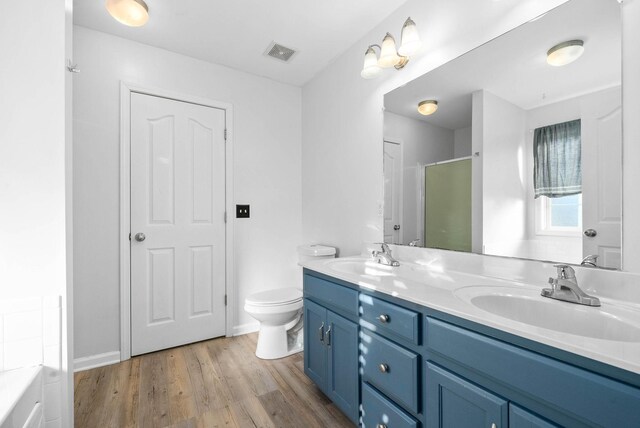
(565, 53)
(427, 107)
(390, 56)
(133, 13)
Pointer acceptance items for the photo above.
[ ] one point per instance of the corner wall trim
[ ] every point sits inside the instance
(93, 361)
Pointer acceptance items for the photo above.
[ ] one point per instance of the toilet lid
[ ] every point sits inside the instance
(280, 296)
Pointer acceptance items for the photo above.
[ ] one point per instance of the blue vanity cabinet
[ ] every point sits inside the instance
(453, 402)
(521, 418)
(331, 342)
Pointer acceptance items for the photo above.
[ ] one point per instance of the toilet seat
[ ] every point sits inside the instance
(278, 297)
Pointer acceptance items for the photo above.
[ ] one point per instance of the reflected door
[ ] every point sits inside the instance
(177, 223)
(601, 186)
(392, 193)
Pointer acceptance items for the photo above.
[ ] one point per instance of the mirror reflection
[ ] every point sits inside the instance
(514, 149)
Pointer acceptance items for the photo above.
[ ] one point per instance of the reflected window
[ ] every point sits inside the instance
(559, 216)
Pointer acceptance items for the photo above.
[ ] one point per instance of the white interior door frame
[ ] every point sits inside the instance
(399, 142)
(125, 205)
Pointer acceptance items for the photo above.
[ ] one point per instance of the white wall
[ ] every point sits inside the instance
(266, 166)
(33, 149)
(422, 143)
(342, 127)
(503, 175)
(462, 142)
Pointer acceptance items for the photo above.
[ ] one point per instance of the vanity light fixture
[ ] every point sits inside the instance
(133, 13)
(390, 56)
(565, 53)
(427, 107)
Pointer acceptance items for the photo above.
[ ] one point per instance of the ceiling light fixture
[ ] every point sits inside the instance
(134, 13)
(565, 53)
(390, 56)
(427, 107)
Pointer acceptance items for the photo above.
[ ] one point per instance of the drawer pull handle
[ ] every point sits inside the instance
(327, 337)
(384, 368)
(384, 426)
(384, 318)
(321, 333)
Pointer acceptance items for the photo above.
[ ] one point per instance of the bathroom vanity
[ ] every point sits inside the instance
(423, 346)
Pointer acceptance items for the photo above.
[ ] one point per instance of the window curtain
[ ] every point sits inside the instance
(557, 169)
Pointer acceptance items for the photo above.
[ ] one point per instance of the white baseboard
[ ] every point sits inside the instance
(93, 361)
(247, 328)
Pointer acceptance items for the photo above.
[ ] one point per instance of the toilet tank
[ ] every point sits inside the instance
(315, 252)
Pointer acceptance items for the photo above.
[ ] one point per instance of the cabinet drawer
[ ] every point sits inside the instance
(390, 368)
(378, 411)
(331, 294)
(587, 397)
(388, 318)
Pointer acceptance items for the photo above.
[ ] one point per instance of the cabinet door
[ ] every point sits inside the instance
(521, 418)
(453, 402)
(341, 340)
(315, 353)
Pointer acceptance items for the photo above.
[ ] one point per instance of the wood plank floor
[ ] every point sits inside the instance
(217, 383)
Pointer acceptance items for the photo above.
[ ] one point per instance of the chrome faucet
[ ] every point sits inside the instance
(565, 288)
(414, 243)
(590, 260)
(384, 257)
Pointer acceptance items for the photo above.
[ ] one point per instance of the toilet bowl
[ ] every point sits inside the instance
(279, 312)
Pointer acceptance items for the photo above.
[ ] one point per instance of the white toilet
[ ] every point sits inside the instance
(280, 312)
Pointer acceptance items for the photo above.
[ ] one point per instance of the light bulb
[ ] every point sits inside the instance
(388, 54)
(410, 39)
(134, 13)
(565, 53)
(427, 107)
(371, 68)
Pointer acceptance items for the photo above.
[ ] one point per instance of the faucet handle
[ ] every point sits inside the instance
(565, 271)
(385, 248)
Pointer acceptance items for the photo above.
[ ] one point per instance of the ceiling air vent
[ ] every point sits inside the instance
(279, 52)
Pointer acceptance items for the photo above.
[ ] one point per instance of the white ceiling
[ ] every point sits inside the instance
(236, 33)
(514, 66)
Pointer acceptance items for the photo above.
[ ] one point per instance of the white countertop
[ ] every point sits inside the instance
(445, 290)
(13, 384)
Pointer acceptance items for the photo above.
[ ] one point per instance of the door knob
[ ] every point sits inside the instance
(140, 237)
(396, 227)
(590, 233)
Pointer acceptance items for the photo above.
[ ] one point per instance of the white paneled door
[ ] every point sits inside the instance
(177, 223)
(601, 187)
(392, 192)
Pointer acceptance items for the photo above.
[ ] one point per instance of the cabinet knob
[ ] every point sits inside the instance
(381, 426)
(384, 368)
(384, 318)
(494, 426)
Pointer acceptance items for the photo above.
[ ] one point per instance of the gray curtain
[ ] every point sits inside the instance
(557, 168)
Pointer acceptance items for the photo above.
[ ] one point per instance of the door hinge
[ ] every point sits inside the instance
(225, 216)
(225, 135)
(129, 236)
(225, 300)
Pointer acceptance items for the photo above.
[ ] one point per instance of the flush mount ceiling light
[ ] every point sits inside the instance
(390, 56)
(133, 13)
(427, 107)
(565, 53)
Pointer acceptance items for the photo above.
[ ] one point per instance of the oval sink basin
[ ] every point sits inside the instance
(525, 305)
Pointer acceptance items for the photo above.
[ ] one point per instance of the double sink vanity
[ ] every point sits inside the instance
(449, 339)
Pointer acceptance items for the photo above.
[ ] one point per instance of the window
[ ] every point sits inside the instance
(559, 216)
(557, 178)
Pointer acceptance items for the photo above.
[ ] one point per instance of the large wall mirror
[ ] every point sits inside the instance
(521, 157)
